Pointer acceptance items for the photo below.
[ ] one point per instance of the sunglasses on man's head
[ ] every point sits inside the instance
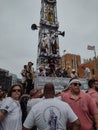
(76, 84)
(16, 90)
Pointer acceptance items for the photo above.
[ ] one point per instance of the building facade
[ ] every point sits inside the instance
(72, 61)
(5, 79)
(92, 64)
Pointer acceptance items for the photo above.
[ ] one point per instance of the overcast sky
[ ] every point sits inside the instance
(18, 43)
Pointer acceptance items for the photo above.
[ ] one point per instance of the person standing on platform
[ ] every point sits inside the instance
(74, 74)
(23, 74)
(87, 72)
(82, 104)
(29, 77)
(51, 113)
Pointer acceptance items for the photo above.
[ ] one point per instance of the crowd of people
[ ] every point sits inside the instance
(72, 109)
(25, 108)
(51, 70)
(29, 74)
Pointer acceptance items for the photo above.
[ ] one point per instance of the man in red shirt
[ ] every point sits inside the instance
(82, 105)
(93, 90)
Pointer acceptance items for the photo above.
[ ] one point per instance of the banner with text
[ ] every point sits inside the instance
(60, 83)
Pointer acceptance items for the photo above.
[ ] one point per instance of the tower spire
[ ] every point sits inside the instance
(48, 45)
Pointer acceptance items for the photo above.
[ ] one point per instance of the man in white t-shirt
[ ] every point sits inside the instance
(51, 113)
(34, 98)
(87, 72)
(10, 110)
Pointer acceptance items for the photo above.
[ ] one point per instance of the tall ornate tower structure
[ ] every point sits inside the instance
(48, 46)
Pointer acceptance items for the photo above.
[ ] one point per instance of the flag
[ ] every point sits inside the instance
(89, 47)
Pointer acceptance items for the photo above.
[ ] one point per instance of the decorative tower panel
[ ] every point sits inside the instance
(48, 46)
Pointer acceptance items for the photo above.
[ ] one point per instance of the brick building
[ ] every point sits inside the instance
(93, 65)
(70, 61)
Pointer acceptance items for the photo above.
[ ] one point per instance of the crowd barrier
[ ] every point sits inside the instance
(60, 83)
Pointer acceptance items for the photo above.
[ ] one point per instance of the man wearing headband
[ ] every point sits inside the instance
(82, 105)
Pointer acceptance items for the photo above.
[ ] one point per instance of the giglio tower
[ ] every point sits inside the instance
(48, 46)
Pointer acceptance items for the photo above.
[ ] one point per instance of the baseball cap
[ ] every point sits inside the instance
(73, 70)
(82, 66)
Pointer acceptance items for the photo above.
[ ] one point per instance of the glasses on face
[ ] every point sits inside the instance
(16, 90)
(76, 84)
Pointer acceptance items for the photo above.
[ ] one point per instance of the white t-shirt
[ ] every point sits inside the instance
(50, 114)
(1, 102)
(87, 73)
(32, 102)
(13, 119)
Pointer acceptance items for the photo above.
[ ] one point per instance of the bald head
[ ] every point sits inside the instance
(49, 90)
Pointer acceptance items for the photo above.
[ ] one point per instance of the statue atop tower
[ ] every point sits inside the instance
(48, 46)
